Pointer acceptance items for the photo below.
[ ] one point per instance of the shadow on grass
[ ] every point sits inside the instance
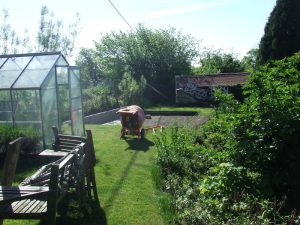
(79, 216)
(138, 144)
(119, 184)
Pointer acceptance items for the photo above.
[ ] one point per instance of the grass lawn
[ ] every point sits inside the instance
(200, 110)
(127, 192)
(124, 180)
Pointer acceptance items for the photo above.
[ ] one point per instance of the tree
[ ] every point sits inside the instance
(131, 91)
(249, 61)
(282, 32)
(156, 55)
(91, 73)
(51, 35)
(215, 61)
(10, 41)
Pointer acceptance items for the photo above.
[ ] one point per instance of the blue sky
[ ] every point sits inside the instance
(232, 25)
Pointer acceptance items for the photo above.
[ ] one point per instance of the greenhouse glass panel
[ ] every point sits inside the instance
(5, 107)
(11, 69)
(2, 60)
(43, 62)
(16, 63)
(76, 102)
(36, 72)
(38, 91)
(27, 109)
(31, 78)
(77, 122)
(49, 104)
(62, 75)
(61, 62)
(64, 113)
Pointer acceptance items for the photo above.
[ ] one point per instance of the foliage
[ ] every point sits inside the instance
(131, 90)
(100, 98)
(52, 36)
(97, 99)
(10, 41)
(239, 168)
(156, 55)
(282, 32)
(91, 72)
(250, 61)
(30, 142)
(215, 61)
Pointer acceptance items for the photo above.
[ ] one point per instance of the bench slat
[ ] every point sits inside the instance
(20, 210)
(22, 188)
(31, 204)
(68, 142)
(22, 205)
(7, 199)
(71, 137)
(66, 160)
(39, 208)
(68, 147)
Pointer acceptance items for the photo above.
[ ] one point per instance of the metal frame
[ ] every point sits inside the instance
(30, 54)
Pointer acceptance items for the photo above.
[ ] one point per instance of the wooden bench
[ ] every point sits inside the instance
(64, 144)
(43, 190)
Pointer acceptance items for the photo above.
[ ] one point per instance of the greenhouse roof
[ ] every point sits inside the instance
(25, 71)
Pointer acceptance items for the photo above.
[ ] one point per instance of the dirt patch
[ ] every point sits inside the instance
(179, 121)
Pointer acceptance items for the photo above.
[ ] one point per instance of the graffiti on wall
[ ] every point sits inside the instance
(192, 89)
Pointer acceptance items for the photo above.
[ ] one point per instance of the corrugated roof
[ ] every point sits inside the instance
(221, 79)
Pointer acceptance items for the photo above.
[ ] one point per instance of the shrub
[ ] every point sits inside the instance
(240, 167)
(30, 142)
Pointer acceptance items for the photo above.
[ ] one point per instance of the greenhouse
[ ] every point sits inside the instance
(41, 90)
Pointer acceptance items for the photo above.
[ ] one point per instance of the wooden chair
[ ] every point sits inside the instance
(10, 163)
(64, 144)
(11, 160)
(43, 191)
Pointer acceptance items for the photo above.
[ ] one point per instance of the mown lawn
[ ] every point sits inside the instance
(127, 192)
(125, 185)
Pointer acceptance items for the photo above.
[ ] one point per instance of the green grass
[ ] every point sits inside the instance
(127, 193)
(200, 110)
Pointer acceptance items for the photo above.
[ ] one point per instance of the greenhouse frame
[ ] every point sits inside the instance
(41, 90)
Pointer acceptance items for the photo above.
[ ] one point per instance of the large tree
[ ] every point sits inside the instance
(10, 41)
(154, 55)
(53, 36)
(282, 32)
(215, 61)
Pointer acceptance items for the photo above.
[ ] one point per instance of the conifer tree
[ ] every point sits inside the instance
(282, 32)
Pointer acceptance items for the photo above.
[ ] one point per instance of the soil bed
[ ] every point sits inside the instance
(179, 121)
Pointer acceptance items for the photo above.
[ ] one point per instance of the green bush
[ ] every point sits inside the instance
(30, 142)
(241, 166)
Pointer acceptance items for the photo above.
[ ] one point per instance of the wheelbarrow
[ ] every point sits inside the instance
(132, 118)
